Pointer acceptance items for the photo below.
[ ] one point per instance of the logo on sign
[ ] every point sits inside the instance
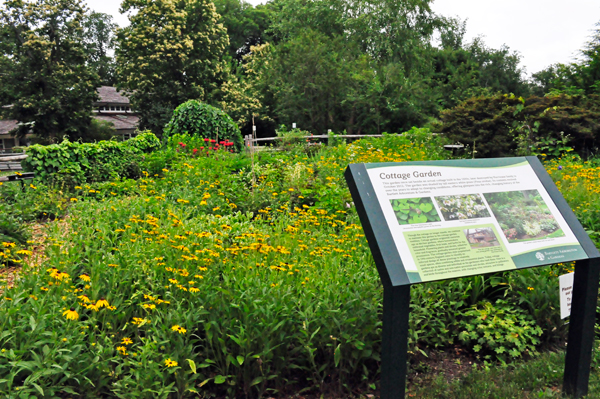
(540, 256)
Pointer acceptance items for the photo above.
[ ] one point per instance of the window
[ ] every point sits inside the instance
(6, 144)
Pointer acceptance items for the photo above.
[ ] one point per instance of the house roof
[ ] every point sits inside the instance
(7, 125)
(120, 122)
(110, 95)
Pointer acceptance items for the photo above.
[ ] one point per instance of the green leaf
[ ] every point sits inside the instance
(192, 365)
(418, 219)
(240, 360)
(426, 207)
(220, 379)
(39, 388)
(257, 380)
(337, 355)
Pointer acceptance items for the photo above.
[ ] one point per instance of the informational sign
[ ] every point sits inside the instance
(448, 219)
(565, 285)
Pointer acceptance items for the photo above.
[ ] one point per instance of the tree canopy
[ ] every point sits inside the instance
(172, 51)
(46, 83)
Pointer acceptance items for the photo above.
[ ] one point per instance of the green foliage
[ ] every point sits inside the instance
(12, 230)
(246, 25)
(169, 53)
(198, 119)
(504, 125)
(76, 163)
(98, 35)
(144, 141)
(499, 331)
(415, 210)
(45, 77)
(243, 278)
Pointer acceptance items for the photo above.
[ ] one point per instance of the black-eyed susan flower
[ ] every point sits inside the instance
(71, 314)
(126, 341)
(170, 363)
(102, 303)
(85, 278)
(178, 329)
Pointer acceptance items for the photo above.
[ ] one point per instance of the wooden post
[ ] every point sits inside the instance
(394, 346)
(581, 327)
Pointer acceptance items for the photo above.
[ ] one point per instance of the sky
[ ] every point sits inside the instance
(544, 32)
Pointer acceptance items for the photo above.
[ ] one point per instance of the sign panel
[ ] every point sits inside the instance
(565, 285)
(448, 219)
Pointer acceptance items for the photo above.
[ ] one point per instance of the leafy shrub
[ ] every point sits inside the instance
(199, 119)
(498, 330)
(145, 141)
(75, 163)
(495, 125)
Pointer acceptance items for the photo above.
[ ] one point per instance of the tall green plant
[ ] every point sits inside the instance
(199, 119)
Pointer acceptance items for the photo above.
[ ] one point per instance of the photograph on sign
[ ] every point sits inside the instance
(457, 220)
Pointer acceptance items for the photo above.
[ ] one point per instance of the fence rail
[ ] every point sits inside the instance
(250, 142)
(11, 162)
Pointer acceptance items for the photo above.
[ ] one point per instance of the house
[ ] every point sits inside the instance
(7, 141)
(112, 107)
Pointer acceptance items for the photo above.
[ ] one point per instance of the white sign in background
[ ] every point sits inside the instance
(565, 285)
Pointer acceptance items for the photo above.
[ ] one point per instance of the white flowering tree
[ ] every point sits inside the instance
(171, 52)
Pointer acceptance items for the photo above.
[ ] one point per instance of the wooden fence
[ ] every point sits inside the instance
(11, 161)
(250, 142)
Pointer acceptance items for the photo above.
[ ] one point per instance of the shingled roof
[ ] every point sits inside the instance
(120, 122)
(109, 94)
(7, 125)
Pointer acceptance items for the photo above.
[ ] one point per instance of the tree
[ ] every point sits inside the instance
(46, 84)
(246, 25)
(170, 53)
(590, 67)
(98, 36)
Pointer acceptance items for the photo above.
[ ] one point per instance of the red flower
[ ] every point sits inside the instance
(205, 139)
(194, 150)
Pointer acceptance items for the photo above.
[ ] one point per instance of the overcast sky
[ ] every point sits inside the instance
(544, 32)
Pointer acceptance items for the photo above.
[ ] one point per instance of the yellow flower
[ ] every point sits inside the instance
(73, 199)
(170, 363)
(179, 329)
(71, 314)
(85, 278)
(126, 341)
(101, 303)
(32, 186)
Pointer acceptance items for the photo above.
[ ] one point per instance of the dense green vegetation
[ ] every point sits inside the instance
(360, 66)
(222, 275)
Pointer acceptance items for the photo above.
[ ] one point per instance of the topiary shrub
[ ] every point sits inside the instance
(199, 119)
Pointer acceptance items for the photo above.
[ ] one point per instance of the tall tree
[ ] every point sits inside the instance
(171, 52)
(46, 84)
(98, 35)
(246, 25)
